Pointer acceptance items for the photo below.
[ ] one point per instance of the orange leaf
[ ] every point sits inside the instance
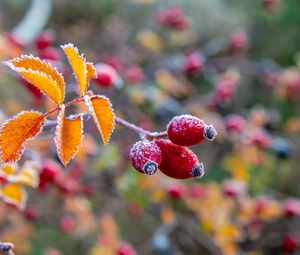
(36, 64)
(78, 65)
(68, 136)
(16, 132)
(14, 194)
(91, 72)
(103, 115)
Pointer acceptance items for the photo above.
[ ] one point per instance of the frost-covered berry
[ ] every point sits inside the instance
(187, 130)
(179, 162)
(145, 157)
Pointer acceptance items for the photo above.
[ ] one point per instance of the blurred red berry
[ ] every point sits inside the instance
(134, 209)
(235, 123)
(293, 89)
(176, 191)
(44, 39)
(260, 139)
(178, 162)
(290, 243)
(31, 213)
(233, 188)
(50, 169)
(197, 191)
(134, 75)
(224, 91)
(173, 17)
(238, 41)
(67, 224)
(291, 207)
(67, 184)
(50, 53)
(271, 5)
(114, 62)
(187, 130)
(90, 189)
(145, 157)
(193, 64)
(126, 249)
(261, 204)
(106, 75)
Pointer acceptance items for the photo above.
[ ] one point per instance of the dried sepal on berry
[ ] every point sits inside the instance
(68, 136)
(16, 132)
(179, 162)
(41, 74)
(145, 157)
(103, 115)
(187, 130)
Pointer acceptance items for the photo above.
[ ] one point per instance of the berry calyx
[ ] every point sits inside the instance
(179, 162)
(187, 130)
(145, 157)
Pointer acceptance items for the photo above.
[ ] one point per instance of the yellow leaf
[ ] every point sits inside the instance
(103, 115)
(68, 136)
(28, 176)
(16, 132)
(14, 194)
(150, 40)
(36, 64)
(90, 72)
(7, 170)
(78, 65)
(43, 81)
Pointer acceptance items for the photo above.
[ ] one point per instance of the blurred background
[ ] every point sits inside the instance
(233, 63)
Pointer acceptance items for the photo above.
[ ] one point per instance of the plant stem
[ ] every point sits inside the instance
(144, 134)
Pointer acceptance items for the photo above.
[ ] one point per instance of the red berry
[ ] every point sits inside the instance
(106, 75)
(176, 191)
(49, 171)
(173, 17)
(126, 249)
(67, 224)
(90, 189)
(193, 64)
(290, 243)
(261, 139)
(271, 5)
(186, 130)
(197, 191)
(179, 162)
(238, 41)
(145, 157)
(291, 207)
(233, 188)
(50, 53)
(235, 123)
(30, 213)
(44, 39)
(134, 75)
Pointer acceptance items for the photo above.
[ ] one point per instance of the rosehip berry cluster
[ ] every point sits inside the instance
(172, 157)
